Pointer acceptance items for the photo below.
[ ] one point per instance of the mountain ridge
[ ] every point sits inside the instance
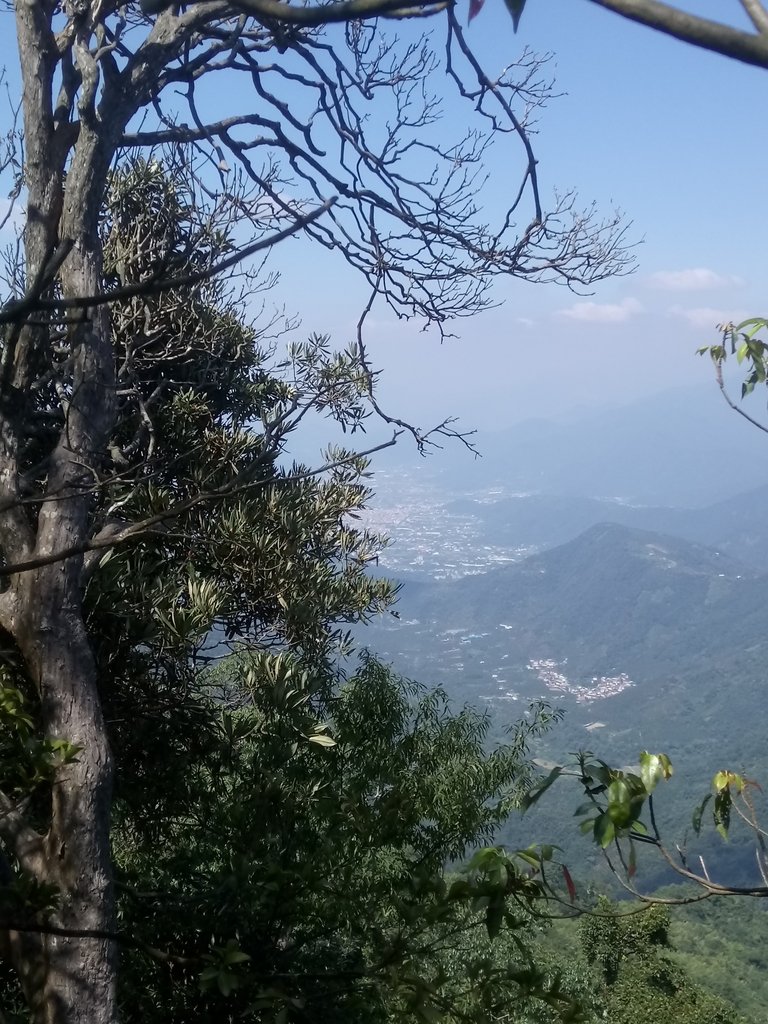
(737, 525)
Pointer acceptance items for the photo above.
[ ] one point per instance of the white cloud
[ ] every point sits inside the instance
(526, 321)
(708, 317)
(694, 279)
(603, 313)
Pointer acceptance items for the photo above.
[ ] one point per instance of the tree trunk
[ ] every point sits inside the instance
(67, 978)
(70, 979)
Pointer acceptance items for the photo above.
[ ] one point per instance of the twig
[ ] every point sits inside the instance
(730, 401)
(757, 14)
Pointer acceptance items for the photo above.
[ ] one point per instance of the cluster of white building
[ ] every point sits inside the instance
(550, 673)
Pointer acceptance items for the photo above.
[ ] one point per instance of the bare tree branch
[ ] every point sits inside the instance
(312, 16)
(424, 438)
(745, 47)
(757, 13)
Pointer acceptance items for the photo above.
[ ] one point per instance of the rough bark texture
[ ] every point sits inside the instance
(70, 979)
(75, 107)
(67, 979)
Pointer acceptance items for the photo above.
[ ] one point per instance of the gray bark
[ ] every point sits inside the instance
(67, 979)
(72, 127)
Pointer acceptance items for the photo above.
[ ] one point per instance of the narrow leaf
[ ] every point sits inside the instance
(569, 884)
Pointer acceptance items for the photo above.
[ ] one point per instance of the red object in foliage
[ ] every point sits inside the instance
(475, 6)
(569, 884)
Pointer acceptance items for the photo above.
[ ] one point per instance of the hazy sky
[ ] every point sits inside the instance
(674, 136)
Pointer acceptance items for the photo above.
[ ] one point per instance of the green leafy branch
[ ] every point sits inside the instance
(745, 342)
(619, 815)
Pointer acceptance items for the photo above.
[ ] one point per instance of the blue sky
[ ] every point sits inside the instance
(674, 136)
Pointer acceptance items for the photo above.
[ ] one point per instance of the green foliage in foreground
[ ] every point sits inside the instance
(307, 878)
(631, 971)
(279, 840)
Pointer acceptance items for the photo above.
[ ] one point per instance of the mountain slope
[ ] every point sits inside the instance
(646, 640)
(737, 526)
(614, 594)
(660, 641)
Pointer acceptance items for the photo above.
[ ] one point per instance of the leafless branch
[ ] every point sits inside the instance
(757, 13)
(746, 47)
(312, 16)
(424, 439)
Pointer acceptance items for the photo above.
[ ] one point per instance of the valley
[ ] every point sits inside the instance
(644, 624)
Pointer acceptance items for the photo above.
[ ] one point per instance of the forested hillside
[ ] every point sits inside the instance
(646, 640)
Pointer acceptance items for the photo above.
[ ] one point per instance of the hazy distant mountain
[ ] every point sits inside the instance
(737, 526)
(614, 596)
(647, 640)
(682, 448)
(684, 623)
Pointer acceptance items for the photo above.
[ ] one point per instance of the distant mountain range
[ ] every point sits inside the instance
(678, 448)
(614, 598)
(643, 611)
(648, 641)
(737, 526)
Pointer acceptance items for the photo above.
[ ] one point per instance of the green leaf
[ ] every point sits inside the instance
(460, 889)
(722, 812)
(322, 740)
(227, 983)
(654, 768)
(531, 797)
(755, 323)
(699, 813)
(601, 772)
(605, 831)
(721, 781)
(233, 955)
